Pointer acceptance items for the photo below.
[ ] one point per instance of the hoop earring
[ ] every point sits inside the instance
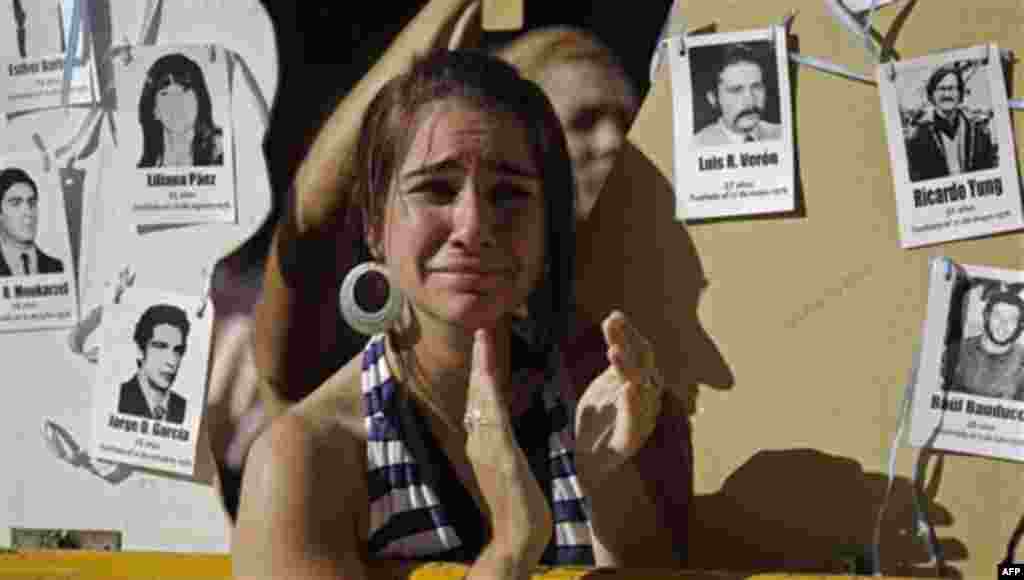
(370, 302)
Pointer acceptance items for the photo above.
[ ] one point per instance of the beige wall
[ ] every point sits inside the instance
(792, 336)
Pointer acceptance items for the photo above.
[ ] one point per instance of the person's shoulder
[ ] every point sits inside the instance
(969, 345)
(47, 263)
(328, 424)
(920, 127)
(772, 130)
(710, 135)
(300, 450)
(972, 342)
(337, 404)
(303, 494)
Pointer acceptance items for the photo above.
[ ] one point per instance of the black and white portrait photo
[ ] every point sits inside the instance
(35, 37)
(968, 381)
(20, 255)
(176, 116)
(161, 336)
(950, 144)
(179, 162)
(732, 123)
(947, 122)
(148, 394)
(37, 276)
(989, 361)
(735, 94)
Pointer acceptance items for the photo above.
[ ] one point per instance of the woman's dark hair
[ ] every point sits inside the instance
(178, 69)
(483, 81)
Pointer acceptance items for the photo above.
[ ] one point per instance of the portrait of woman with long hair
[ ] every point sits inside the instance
(176, 116)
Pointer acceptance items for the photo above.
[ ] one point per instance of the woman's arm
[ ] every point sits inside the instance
(304, 507)
(298, 512)
(521, 521)
(298, 516)
(615, 420)
(296, 322)
(629, 529)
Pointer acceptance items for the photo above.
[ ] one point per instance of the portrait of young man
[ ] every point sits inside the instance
(991, 364)
(737, 92)
(946, 139)
(19, 224)
(161, 336)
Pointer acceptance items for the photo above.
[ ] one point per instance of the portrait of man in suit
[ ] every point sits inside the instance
(161, 335)
(737, 92)
(19, 223)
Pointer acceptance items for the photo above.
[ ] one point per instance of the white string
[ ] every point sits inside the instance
(848, 21)
(87, 324)
(125, 280)
(904, 413)
(90, 122)
(206, 274)
(148, 21)
(820, 63)
(37, 140)
(923, 527)
(659, 48)
(865, 32)
(829, 67)
(262, 107)
(920, 517)
(80, 333)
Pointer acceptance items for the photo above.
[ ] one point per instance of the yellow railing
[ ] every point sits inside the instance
(85, 565)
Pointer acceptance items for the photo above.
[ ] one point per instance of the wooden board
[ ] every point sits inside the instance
(792, 336)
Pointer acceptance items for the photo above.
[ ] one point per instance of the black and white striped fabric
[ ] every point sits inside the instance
(407, 517)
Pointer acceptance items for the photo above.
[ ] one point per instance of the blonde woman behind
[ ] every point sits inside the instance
(592, 96)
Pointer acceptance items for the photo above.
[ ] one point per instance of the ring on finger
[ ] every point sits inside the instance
(475, 418)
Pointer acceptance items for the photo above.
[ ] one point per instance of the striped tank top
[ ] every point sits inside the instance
(419, 510)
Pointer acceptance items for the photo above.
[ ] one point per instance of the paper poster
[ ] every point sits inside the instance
(148, 396)
(950, 143)
(969, 389)
(33, 78)
(37, 279)
(173, 163)
(732, 126)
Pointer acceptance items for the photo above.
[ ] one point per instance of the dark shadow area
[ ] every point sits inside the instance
(801, 510)
(633, 255)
